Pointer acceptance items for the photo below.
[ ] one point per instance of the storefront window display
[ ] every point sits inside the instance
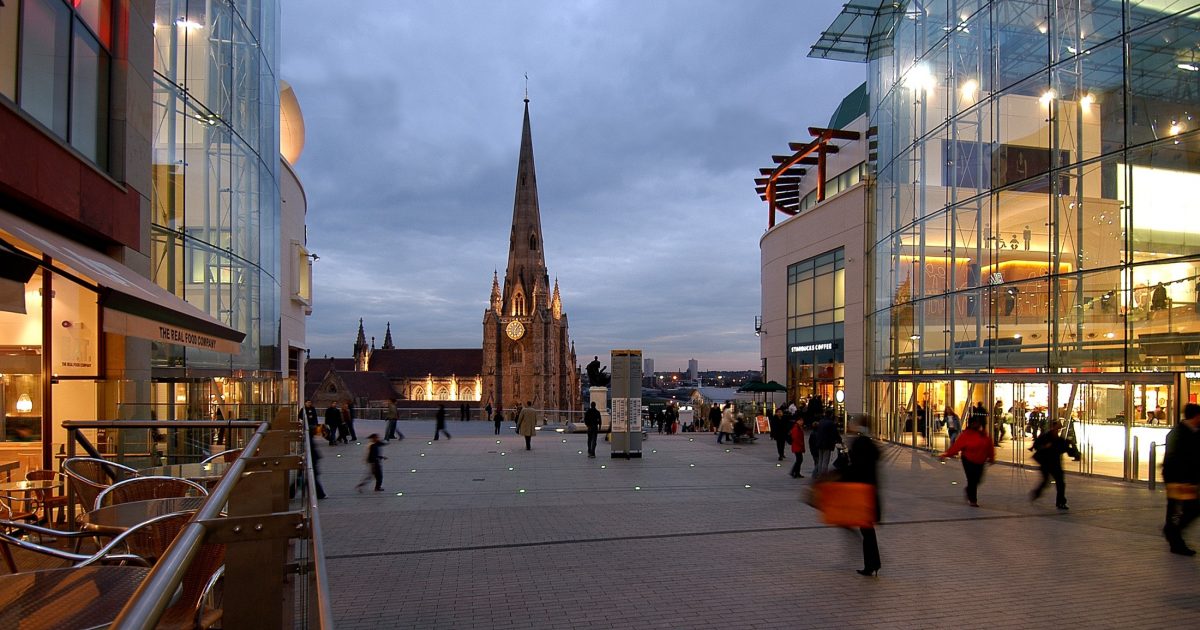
(816, 320)
(1033, 243)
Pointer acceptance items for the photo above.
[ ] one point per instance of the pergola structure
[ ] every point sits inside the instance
(780, 186)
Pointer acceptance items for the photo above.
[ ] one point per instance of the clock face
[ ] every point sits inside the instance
(515, 330)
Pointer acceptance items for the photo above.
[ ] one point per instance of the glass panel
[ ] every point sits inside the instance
(98, 16)
(1163, 65)
(89, 98)
(45, 44)
(804, 297)
(839, 288)
(8, 48)
(823, 292)
(1161, 189)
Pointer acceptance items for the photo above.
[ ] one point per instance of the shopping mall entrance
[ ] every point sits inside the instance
(1115, 421)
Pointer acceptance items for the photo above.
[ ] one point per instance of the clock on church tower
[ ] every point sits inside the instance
(515, 330)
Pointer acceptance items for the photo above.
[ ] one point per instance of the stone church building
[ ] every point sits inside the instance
(527, 354)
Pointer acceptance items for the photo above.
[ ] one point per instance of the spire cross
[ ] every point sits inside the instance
(526, 87)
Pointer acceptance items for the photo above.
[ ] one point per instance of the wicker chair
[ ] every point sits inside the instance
(147, 488)
(90, 476)
(47, 499)
(200, 582)
(225, 456)
(112, 552)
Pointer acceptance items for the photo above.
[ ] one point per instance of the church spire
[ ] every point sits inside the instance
(362, 355)
(387, 338)
(496, 301)
(556, 302)
(526, 264)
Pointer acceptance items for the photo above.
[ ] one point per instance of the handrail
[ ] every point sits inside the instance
(324, 606)
(160, 424)
(155, 592)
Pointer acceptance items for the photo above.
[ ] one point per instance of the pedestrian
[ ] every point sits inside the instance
(998, 421)
(308, 415)
(374, 464)
(977, 449)
(391, 414)
(714, 417)
(827, 440)
(316, 465)
(591, 419)
(725, 429)
(440, 428)
(348, 420)
(796, 435)
(779, 431)
(526, 421)
(488, 411)
(1181, 472)
(953, 424)
(333, 423)
(498, 418)
(1048, 450)
(863, 468)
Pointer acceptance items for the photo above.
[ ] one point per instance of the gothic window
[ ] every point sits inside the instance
(533, 242)
(518, 304)
(443, 393)
(418, 393)
(515, 355)
(466, 393)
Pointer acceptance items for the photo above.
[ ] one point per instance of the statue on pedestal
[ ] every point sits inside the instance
(596, 375)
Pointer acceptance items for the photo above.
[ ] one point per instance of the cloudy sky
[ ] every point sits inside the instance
(650, 121)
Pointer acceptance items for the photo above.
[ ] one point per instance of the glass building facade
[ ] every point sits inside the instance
(1033, 234)
(216, 196)
(816, 311)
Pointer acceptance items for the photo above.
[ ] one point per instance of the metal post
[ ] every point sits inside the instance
(1136, 457)
(1153, 465)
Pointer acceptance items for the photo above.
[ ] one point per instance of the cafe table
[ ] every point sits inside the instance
(114, 519)
(67, 599)
(27, 487)
(205, 474)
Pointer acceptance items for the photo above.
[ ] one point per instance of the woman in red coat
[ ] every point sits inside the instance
(796, 435)
(977, 449)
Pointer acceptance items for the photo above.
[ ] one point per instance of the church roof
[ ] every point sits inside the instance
(316, 369)
(369, 385)
(415, 362)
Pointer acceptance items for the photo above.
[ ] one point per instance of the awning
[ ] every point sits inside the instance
(133, 305)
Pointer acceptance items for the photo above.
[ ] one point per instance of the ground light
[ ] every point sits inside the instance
(422, 454)
(691, 465)
(747, 485)
(521, 491)
(497, 441)
(603, 466)
(510, 467)
(637, 487)
(399, 494)
(413, 470)
(429, 443)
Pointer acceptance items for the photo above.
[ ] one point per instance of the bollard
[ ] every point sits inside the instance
(1137, 469)
(1153, 466)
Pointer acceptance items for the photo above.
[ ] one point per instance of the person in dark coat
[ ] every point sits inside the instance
(308, 415)
(863, 468)
(827, 439)
(1181, 472)
(333, 423)
(498, 418)
(591, 419)
(374, 464)
(779, 431)
(1048, 450)
(348, 432)
(441, 423)
(714, 417)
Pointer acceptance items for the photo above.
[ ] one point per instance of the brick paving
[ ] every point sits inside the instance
(697, 535)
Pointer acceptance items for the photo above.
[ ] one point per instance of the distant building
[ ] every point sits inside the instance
(693, 369)
(648, 367)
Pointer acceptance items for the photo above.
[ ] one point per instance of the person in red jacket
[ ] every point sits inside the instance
(796, 436)
(977, 449)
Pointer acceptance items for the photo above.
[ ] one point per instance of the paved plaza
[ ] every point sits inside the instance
(472, 533)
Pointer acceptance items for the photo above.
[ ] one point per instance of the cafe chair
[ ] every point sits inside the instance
(198, 603)
(227, 457)
(47, 499)
(112, 552)
(89, 476)
(147, 488)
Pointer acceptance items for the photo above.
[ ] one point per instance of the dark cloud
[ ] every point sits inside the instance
(650, 120)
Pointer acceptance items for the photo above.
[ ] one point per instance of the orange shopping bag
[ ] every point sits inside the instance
(845, 504)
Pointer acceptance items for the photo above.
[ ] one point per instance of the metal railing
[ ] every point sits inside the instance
(264, 511)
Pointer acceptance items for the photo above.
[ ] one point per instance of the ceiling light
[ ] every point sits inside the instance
(969, 89)
(1190, 67)
(1175, 129)
(1086, 101)
(188, 25)
(1046, 97)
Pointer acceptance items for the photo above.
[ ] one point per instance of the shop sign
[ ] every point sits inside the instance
(1191, 374)
(134, 326)
(812, 347)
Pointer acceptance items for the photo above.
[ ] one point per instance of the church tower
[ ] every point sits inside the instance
(362, 353)
(527, 352)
